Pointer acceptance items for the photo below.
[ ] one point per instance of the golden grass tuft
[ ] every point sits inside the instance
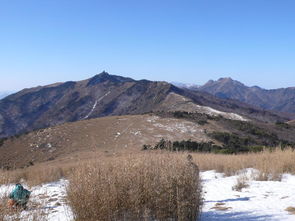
(142, 187)
(221, 207)
(37, 174)
(291, 210)
(242, 182)
(271, 165)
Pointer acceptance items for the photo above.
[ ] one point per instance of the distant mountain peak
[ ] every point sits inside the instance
(225, 79)
(276, 99)
(105, 76)
(256, 87)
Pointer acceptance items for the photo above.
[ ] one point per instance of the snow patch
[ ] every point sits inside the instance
(136, 132)
(95, 104)
(214, 112)
(262, 200)
(48, 199)
(182, 103)
(152, 119)
(178, 127)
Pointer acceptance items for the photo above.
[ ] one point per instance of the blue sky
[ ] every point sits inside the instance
(46, 41)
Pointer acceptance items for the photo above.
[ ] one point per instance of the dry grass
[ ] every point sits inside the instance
(3, 206)
(7, 214)
(36, 175)
(221, 207)
(242, 182)
(152, 184)
(270, 164)
(142, 187)
(291, 210)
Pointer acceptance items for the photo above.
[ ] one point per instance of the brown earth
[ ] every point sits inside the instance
(86, 139)
(107, 135)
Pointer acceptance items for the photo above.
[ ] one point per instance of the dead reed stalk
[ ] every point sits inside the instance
(271, 164)
(142, 187)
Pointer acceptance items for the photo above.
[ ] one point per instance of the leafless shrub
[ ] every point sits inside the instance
(291, 210)
(242, 182)
(145, 187)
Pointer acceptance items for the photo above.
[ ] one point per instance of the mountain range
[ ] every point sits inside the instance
(109, 95)
(282, 99)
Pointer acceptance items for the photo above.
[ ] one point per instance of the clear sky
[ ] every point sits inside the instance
(46, 41)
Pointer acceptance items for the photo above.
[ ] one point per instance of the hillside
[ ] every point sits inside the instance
(108, 95)
(282, 100)
(117, 134)
(99, 96)
(114, 134)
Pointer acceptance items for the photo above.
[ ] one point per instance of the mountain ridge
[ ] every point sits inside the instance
(108, 95)
(281, 99)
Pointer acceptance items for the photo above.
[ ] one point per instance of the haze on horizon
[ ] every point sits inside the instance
(44, 42)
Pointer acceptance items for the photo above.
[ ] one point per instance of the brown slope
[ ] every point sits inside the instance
(117, 133)
(128, 133)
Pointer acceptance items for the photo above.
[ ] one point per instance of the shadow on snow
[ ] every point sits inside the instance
(232, 216)
(230, 200)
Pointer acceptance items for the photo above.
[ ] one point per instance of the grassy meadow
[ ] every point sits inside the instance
(150, 185)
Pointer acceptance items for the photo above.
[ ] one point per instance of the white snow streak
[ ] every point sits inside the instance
(192, 107)
(95, 104)
(214, 112)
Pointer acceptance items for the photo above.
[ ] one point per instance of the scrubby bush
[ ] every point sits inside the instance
(199, 118)
(145, 187)
(232, 144)
(2, 140)
(283, 125)
(242, 182)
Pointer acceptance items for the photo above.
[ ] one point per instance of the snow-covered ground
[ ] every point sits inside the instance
(181, 103)
(47, 200)
(262, 200)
